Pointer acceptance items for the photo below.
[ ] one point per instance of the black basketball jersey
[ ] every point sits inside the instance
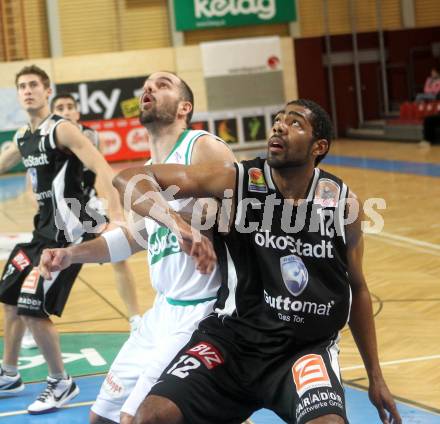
(90, 176)
(284, 267)
(56, 178)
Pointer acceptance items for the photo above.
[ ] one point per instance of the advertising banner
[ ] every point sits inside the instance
(245, 56)
(197, 14)
(121, 139)
(106, 99)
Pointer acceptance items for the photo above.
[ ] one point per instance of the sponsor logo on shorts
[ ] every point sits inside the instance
(310, 372)
(256, 183)
(21, 261)
(208, 354)
(29, 303)
(113, 385)
(320, 399)
(30, 284)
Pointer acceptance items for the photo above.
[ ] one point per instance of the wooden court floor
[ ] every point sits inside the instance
(402, 266)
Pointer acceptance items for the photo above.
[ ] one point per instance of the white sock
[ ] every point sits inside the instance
(59, 376)
(10, 370)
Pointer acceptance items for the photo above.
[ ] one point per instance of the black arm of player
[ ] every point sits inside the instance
(141, 191)
(362, 325)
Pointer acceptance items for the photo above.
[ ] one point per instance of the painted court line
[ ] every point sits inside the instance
(406, 245)
(410, 240)
(25, 412)
(398, 361)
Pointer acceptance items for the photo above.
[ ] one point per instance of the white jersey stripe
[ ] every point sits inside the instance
(230, 304)
(268, 176)
(65, 218)
(333, 352)
(52, 133)
(239, 193)
(341, 210)
(311, 194)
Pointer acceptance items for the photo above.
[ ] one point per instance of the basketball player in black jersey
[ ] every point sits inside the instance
(65, 105)
(292, 271)
(54, 151)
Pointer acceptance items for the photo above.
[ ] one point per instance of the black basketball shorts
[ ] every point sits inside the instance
(22, 285)
(213, 381)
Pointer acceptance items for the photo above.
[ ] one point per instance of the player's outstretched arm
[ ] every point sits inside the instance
(69, 136)
(9, 157)
(112, 246)
(362, 324)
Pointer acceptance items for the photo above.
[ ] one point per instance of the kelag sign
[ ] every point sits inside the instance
(197, 14)
(106, 99)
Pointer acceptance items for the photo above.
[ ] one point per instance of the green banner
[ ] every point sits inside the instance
(5, 139)
(198, 14)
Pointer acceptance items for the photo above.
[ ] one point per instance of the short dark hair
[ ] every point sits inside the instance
(34, 70)
(187, 96)
(61, 96)
(321, 123)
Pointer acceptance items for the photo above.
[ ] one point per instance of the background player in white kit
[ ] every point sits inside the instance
(184, 295)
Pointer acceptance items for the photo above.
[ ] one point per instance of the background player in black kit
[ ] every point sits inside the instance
(64, 104)
(54, 151)
(287, 290)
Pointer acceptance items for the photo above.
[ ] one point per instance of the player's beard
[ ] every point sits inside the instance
(281, 161)
(165, 116)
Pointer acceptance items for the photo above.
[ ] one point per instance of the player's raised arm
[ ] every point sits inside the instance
(9, 157)
(69, 136)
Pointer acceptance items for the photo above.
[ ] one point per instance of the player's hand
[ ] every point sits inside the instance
(54, 260)
(199, 247)
(382, 399)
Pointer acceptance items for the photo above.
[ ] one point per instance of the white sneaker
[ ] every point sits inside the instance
(10, 384)
(134, 321)
(57, 393)
(28, 341)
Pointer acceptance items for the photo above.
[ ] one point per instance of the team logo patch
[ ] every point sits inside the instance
(310, 372)
(30, 283)
(21, 261)
(294, 273)
(257, 183)
(113, 386)
(327, 193)
(207, 354)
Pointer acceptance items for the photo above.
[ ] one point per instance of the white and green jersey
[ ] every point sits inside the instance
(173, 273)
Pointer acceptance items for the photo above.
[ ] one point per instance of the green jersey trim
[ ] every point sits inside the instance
(178, 143)
(177, 302)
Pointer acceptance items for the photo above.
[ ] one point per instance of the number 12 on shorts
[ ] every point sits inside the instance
(183, 365)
